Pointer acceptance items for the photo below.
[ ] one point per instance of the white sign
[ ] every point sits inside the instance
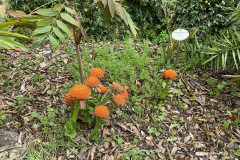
(180, 34)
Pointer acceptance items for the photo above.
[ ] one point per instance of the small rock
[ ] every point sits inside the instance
(8, 138)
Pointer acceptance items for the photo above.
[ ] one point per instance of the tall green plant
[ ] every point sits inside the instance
(62, 19)
(225, 51)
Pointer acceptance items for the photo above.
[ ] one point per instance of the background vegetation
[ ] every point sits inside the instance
(209, 16)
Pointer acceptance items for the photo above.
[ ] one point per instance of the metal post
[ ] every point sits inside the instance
(177, 54)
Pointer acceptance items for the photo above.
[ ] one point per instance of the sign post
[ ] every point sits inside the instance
(179, 35)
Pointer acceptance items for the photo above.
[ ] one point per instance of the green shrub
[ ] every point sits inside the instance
(128, 66)
(208, 15)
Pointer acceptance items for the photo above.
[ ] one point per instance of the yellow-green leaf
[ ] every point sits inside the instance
(53, 41)
(5, 45)
(12, 44)
(41, 30)
(59, 34)
(58, 7)
(64, 27)
(45, 22)
(40, 37)
(68, 18)
(70, 10)
(46, 12)
(17, 35)
(4, 24)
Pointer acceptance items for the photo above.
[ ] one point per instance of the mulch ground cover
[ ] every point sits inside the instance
(193, 123)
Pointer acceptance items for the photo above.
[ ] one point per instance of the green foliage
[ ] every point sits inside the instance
(138, 154)
(20, 102)
(90, 16)
(210, 15)
(47, 120)
(27, 5)
(127, 66)
(225, 52)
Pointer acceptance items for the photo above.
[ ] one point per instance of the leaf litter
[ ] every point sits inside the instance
(195, 130)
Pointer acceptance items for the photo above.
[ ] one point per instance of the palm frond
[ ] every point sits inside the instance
(225, 51)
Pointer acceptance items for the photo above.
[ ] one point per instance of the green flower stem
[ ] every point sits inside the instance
(96, 125)
(168, 80)
(93, 92)
(76, 110)
(105, 99)
(72, 110)
(164, 91)
(100, 97)
(95, 133)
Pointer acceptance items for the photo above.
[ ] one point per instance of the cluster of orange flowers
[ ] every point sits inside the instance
(169, 74)
(93, 82)
(121, 94)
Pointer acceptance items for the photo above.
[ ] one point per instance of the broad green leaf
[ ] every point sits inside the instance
(69, 19)
(58, 7)
(46, 21)
(46, 12)
(16, 45)
(40, 37)
(69, 10)
(41, 30)
(128, 21)
(17, 35)
(5, 45)
(53, 41)
(26, 19)
(70, 128)
(111, 7)
(59, 34)
(64, 27)
(4, 24)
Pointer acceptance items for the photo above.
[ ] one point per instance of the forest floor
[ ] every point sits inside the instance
(200, 119)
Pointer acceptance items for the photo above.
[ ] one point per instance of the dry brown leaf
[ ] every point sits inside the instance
(135, 130)
(201, 153)
(201, 99)
(106, 133)
(174, 150)
(187, 101)
(187, 138)
(149, 141)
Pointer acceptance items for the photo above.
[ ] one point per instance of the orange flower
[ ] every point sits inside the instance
(125, 94)
(97, 72)
(117, 87)
(169, 74)
(69, 99)
(80, 91)
(101, 111)
(92, 81)
(119, 99)
(101, 89)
